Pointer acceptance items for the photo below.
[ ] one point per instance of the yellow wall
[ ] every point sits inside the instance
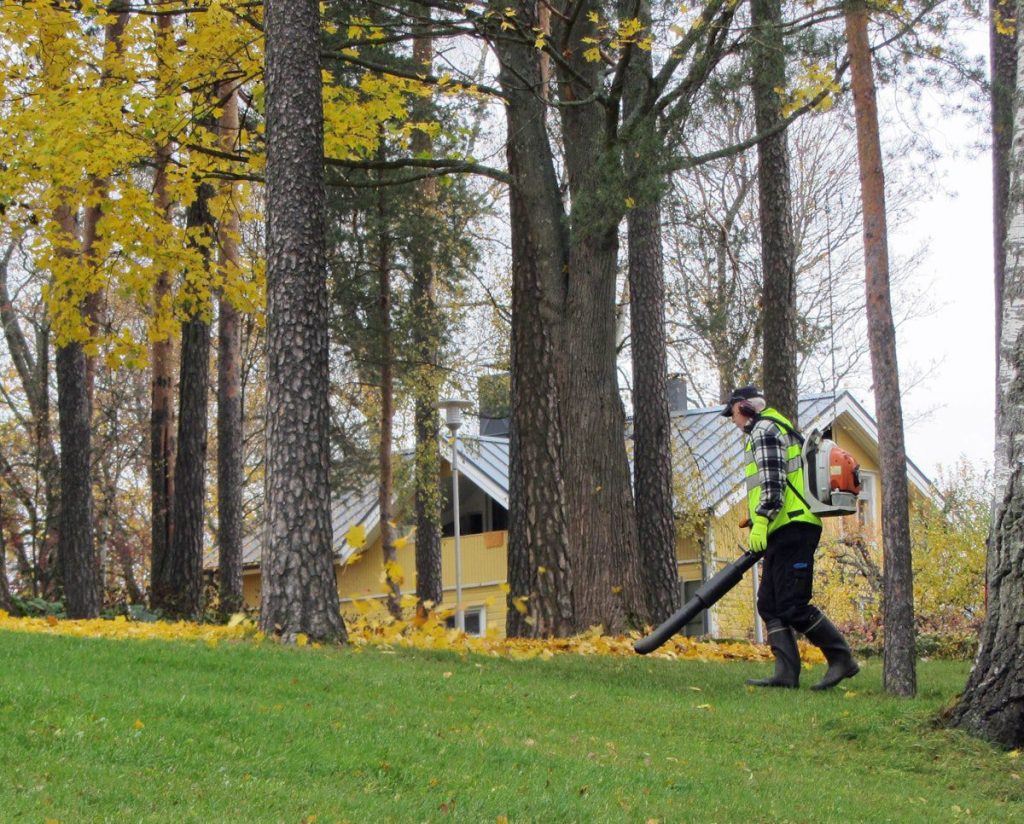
(484, 562)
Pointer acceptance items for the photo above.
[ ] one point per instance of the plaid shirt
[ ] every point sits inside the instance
(769, 455)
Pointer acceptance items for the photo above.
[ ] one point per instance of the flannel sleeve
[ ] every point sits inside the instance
(770, 458)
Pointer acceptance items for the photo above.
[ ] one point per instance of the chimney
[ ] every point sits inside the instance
(494, 393)
(675, 388)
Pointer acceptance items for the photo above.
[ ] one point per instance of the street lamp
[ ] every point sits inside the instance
(453, 409)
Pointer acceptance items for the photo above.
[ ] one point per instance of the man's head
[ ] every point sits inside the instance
(744, 403)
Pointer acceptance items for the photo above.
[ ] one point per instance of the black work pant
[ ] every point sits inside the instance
(787, 576)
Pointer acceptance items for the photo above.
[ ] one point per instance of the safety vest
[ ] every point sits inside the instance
(793, 507)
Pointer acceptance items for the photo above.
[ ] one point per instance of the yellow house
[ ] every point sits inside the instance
(708, 464)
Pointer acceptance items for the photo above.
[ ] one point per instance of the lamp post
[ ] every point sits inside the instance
(453, 409)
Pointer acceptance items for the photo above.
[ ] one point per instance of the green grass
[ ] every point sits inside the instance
(251, 733)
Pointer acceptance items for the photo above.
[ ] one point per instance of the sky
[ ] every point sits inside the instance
(950, 415)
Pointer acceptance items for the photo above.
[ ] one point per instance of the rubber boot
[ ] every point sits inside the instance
(782, 640)
(823, 634)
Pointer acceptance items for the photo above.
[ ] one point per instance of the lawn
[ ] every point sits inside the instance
(153, 731)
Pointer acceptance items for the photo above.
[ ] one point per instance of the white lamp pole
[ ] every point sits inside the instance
(453, 409)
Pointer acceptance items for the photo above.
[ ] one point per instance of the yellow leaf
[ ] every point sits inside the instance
(520, 604)
(704, 707)
(236, 619)
(541, 570)
(504, 588)
(616, 590)
(630, 203)
(301, 639)
(356, 536)
(138, 724)
(592, 55)
(1013, 754)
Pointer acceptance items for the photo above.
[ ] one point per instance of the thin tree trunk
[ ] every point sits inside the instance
(5, 587)
(775, 213)
(426, 331)
(387, 410)
(652, 434)
(899, 668)
(179, 591)
(299, 586)
(229, 385)
(161, 416)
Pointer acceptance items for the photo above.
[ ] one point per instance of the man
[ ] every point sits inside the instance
(783, 527)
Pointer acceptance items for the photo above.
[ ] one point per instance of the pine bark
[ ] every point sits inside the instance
(652, 434)
(178, 585)
(299, 587)
(229, 388)
(429, 584)
(603, 540)
(992, 705)
(779, 329)
(539, 603)
(899, 667)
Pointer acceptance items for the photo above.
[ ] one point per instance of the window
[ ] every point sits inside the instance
(867, 508)
(474, 619)
(697, 626)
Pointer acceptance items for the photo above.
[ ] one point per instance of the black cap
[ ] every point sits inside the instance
(743, 393)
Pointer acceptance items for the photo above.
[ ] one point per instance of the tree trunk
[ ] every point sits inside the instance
(178, 590)
(79, 566)
(299, 586)
(1003, 67)
(603, 539)
(5, 587)
(652, 434)
(899, 669)
(426, 375)
(779, 329)
(229, 386)
(540, 574)
(161, 358)
(992, 705)
(387, 410)
(564, 346)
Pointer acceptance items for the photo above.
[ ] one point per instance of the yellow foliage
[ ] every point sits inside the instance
(385, 633)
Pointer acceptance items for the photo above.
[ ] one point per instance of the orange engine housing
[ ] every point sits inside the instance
(844, 471)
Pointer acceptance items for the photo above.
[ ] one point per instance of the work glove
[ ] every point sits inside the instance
(759, 534)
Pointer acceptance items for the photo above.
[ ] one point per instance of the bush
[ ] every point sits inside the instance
(953, 640)
(36, 607)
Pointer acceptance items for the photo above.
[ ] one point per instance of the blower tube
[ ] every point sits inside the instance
(712, 590)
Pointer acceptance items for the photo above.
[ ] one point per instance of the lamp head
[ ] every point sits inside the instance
(453, 408)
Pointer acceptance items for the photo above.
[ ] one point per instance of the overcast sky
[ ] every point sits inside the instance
(950, 415)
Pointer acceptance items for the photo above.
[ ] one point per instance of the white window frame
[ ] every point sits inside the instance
(868, 516)
(475, 610)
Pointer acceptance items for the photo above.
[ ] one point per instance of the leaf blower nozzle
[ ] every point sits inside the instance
(710, 592)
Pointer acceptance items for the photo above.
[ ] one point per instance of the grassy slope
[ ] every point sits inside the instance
(97, 730)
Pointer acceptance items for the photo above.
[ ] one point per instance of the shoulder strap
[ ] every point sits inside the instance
(787, 428)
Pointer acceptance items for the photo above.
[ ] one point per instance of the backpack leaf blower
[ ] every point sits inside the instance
(711, 592)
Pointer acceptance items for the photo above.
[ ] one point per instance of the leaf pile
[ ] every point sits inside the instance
(386, 635)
